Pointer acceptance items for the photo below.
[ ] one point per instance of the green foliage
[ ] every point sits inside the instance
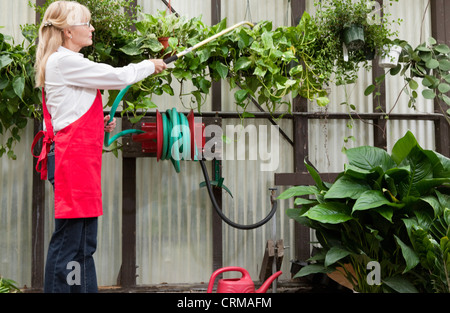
(333, 18)
(17, 93)
(8, 286)
(393, 209)
(264, 64)
(428, 63)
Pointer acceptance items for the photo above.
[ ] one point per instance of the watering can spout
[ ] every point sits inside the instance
(268, 282)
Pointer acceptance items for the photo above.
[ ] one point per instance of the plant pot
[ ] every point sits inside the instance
(389, 57)
(354, 37)
(164, 41)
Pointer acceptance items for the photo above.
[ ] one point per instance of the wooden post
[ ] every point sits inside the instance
(216, 95)
(128, 270)
(38, 209)
(440, 28)
(301, 149)
(379, 105)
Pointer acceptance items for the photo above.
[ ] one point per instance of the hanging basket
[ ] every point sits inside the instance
(390, 56)
(354, 37)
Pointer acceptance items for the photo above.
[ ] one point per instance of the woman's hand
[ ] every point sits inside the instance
(160, 65)
(109, 127)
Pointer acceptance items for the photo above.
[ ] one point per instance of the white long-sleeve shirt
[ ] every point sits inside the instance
(71, 83)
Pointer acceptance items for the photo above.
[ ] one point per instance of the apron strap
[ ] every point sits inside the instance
(48, 137)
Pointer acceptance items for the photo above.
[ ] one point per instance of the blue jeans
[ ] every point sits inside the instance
(70, 264)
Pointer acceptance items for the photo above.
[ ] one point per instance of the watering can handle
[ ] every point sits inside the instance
(243, 271)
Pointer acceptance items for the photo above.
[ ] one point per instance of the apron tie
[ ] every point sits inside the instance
(41, 166)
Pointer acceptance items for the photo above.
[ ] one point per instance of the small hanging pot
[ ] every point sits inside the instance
(390, 56)
(164, 41)
(354, 37)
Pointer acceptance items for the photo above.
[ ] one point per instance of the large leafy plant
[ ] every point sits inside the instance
(17, 93)
(383, 208)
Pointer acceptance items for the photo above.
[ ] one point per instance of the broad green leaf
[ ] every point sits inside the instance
(369, 158)
(446, 99)
(313, 269)
(329, 213)
(221, 69)
(444, 88)
(5, 60)
(322, 101)
(203, 55)
(429, 94)
(442, 48)
(444, 65)
(386, 212)
(400, 284)
(403, 147)
(409, 255)
(19, 85)
(373, 199)
(335, 254)
(260, 72)
(347, 187)
(369, 90)
(240, 95)
(267, 40)
(298, 191)
(132, 49)
(315, 175)
(432, 64)
(242, 63)
(301, 201)
(413, 84)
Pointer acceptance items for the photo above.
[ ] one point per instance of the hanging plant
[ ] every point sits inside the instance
(428, 64)
(351, 33)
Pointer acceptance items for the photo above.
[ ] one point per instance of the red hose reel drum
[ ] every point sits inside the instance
(152, 140)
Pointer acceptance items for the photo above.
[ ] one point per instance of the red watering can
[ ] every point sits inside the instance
(238, 285)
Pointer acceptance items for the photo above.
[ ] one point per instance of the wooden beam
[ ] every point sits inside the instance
(302, 179)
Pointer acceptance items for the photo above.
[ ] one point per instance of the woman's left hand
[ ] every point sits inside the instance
(109, 127)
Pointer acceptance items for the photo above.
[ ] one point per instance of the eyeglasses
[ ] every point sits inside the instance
(88, 24)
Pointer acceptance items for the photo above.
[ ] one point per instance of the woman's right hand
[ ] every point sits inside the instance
(160, 65)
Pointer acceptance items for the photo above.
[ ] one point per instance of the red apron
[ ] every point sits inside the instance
(78, 162)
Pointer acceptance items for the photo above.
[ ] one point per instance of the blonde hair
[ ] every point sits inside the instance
(58, 16)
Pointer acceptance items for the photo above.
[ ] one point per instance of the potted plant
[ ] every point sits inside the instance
(389, 56)
(369, 212)
(351, 32)
(169, 29)
(427, 64)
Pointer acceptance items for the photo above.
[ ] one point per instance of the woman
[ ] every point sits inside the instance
(74, 131)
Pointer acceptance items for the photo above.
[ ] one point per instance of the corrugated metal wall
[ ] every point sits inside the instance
(174, 242)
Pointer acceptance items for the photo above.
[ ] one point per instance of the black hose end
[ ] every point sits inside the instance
(171, 59)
